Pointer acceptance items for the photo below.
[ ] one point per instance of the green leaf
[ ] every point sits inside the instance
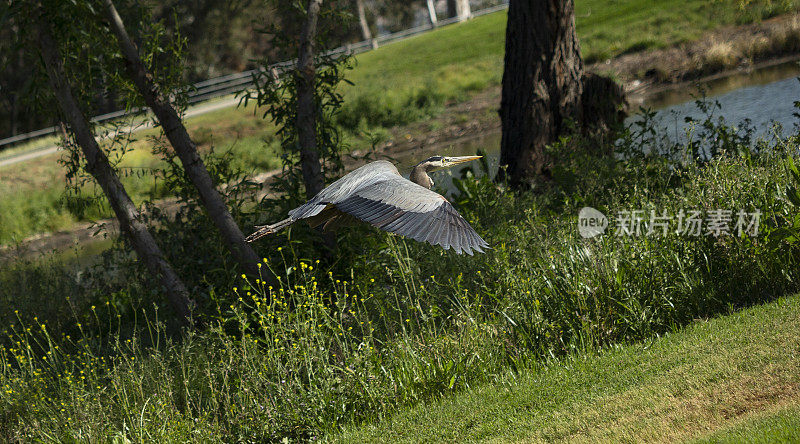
(793, 196)
(793, 168)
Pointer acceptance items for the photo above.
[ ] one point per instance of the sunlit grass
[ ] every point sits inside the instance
(780, 423)
(298, 360)
(731, 375)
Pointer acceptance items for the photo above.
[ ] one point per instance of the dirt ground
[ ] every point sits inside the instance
(720, 53)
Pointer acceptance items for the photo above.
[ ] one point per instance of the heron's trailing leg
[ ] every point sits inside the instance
(264, 230)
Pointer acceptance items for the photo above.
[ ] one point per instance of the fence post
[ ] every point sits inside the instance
(432, 13)
(463, 10)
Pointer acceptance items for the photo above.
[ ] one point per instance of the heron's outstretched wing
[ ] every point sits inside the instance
(345, 187)
(400, 206)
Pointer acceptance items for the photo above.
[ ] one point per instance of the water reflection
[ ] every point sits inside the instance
(717, 87)
(760, 97)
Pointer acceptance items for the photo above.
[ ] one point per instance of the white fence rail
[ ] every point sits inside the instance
(235, 83)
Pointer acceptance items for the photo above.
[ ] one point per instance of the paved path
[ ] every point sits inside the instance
(194, 111)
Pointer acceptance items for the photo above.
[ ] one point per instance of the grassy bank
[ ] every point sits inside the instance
(730, 379)
(404, 82)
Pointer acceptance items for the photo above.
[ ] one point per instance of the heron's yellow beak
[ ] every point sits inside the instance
(450, 161)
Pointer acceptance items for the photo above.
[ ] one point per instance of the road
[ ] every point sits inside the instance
(197, 110)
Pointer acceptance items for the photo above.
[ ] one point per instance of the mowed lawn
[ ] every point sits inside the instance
(731, 379)
(451, 63)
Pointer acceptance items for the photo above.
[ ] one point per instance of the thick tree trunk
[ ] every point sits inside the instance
(541, 85)
(366, 34)
(184, 146)
(98, 166)
(432, 13)
(306, 104)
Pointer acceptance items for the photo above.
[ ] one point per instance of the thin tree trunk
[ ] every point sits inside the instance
(366, 34)
(184, 146)
(307, 111)
(306, 104)
(459, 8)
(432, 13)
(541, 85)
(98, 166)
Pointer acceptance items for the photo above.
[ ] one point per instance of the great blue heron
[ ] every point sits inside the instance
(376, 193)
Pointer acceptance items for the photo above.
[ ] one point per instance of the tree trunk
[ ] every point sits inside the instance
(541, 85)
(98, 166)
(306, 104)
(307, 111)
(366, 34)
(432, 13)
(184, 146)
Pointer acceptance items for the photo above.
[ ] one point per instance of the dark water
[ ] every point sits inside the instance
(727, 86)
(763, 97)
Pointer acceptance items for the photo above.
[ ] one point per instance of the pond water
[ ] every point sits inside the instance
(754, 79)
(762, 97)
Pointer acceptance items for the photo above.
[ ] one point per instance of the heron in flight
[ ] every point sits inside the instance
(376, 193)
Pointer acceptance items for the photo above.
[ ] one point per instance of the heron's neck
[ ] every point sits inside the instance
(420, 177)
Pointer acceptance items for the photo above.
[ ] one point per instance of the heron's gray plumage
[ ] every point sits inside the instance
(376, 193)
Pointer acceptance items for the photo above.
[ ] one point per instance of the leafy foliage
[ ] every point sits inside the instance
(276, 95)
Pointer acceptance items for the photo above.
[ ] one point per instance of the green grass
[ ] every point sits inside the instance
(776, 425)
(456, 61)
(31, 193)
(719, 376)
(469, 55)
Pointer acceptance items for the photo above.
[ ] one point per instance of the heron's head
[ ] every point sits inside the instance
(434, 163)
